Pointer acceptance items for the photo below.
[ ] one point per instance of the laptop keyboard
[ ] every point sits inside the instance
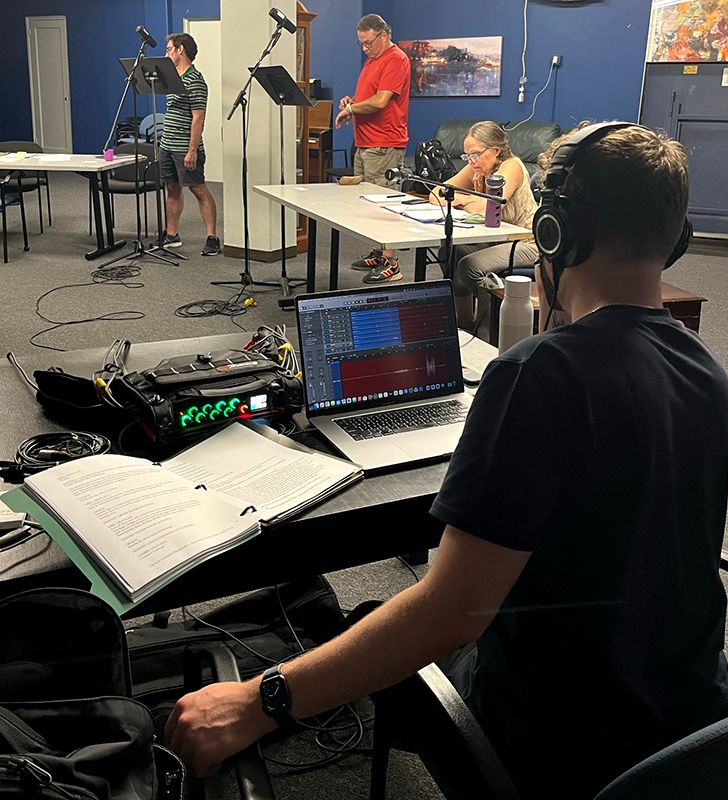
(401, 420)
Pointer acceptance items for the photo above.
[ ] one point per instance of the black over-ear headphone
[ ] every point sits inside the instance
(561, 231)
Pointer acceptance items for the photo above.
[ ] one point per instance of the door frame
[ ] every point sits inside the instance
(65, 77)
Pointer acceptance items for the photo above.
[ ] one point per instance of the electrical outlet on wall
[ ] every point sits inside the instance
(555, 61)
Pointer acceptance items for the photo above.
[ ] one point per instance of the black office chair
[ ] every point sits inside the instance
(425, 715)
(347, 169)
(694, 768)
(11, 194)
(122, 180)
(31, 180)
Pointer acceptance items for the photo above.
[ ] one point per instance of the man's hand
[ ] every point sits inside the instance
(210, 725)
(190, 160)
(344, 101)
(343, 116)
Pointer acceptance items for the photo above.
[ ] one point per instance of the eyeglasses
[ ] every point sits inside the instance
(473, 157)
(367, 45)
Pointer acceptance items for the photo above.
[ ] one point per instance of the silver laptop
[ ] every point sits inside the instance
(382, 373)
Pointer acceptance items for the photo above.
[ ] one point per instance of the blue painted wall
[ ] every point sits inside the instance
(602, 43)
(335, 59)
(99, 32)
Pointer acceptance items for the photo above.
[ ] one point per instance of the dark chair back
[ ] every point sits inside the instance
(146, 166)
(20, 146)
(694, 768)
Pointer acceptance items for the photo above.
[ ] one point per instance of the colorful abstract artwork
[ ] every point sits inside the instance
(455, 67)
(688, 31)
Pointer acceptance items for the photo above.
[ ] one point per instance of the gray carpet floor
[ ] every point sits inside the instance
(53, 297)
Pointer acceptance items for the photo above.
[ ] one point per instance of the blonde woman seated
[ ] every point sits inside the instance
(487, 152)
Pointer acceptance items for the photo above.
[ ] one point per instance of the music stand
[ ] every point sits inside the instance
(283, 91)
(154, 75)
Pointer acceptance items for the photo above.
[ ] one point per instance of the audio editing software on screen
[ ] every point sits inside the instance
(365, 347)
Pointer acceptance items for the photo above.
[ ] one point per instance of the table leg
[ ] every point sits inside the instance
(102, 247)
(420, 263)
(311, 257)
(334, 260)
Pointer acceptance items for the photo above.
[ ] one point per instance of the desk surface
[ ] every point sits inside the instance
(379, 517)
(51, 162)
(342, 208)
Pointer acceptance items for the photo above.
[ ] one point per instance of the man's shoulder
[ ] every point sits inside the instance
(192, 75)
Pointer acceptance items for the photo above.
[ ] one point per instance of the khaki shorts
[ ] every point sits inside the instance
(371, 163)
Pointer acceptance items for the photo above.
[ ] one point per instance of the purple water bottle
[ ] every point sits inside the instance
(493, 185)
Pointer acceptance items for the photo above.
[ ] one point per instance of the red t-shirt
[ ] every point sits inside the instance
(388, 127)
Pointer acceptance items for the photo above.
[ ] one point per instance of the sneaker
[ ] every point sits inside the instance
(212, 246)
(369, 262)
(171, 241)
(388, 270)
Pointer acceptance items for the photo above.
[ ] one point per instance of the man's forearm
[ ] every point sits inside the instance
(391, 643)
(198, 123)
(369, 106)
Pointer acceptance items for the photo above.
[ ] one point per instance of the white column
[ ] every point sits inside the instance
(246, 29)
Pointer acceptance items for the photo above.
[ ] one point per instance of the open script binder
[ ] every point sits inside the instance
(133, 525)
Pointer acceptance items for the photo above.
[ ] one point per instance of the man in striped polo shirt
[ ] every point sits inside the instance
(181, 152)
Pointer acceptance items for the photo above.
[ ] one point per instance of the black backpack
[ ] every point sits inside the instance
(431, 161)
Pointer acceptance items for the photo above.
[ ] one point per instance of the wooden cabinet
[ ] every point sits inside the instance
(319, 140)
(304, 17)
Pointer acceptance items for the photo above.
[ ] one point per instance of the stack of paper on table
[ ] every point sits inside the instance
(425, 212)
(136, 524)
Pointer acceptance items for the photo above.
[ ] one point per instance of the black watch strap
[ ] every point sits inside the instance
(275, 696)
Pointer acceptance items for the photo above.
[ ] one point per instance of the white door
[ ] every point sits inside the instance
(206, 33)
(50, 89)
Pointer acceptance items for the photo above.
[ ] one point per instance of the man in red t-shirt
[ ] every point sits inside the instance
(379, 111)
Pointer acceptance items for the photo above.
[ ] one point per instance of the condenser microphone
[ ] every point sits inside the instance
(147, 37)
(282, 20)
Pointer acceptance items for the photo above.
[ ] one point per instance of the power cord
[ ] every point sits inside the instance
(49, 449)
(116, 276)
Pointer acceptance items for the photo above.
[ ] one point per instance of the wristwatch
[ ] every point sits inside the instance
(275, 697)
(348, 109)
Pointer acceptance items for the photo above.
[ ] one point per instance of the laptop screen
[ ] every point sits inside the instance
(378, 346)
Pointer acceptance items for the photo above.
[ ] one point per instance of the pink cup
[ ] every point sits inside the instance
(109, 154)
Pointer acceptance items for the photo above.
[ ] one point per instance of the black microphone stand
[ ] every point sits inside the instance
(447, 192)
(246, 279)
(138, 249)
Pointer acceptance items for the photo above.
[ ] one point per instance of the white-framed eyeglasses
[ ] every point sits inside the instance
(472, 157)
(367, 45)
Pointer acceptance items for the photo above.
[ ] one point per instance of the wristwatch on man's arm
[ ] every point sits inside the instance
(275, 696)
(348, 109)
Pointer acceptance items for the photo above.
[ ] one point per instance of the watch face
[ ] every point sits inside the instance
(274, 693)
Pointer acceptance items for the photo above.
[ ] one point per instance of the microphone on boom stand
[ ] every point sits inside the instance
(447, 192)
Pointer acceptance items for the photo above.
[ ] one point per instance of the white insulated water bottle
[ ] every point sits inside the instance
(516, 312)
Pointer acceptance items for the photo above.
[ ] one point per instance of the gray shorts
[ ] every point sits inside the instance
(172, 168)
(372, 162)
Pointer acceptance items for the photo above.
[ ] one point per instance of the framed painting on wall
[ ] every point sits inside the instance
(688, 31)
(455, 67)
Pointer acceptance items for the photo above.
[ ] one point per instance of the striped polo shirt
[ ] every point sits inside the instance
(178, 119)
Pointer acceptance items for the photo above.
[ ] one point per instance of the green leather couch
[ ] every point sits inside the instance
(526, 141)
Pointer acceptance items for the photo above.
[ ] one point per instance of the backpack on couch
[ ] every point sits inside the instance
(431, 161)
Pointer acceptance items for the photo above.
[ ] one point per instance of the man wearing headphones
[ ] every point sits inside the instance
(584, 509)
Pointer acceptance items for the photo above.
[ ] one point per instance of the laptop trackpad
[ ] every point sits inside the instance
(439, 441)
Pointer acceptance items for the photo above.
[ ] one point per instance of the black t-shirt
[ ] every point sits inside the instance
(602, 447)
